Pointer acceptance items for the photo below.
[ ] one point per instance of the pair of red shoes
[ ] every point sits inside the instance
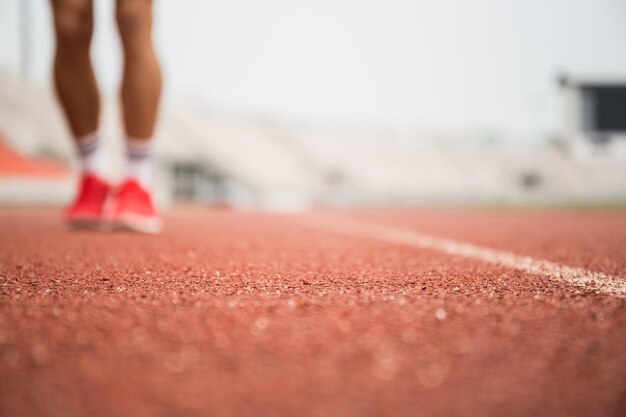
(129, 207)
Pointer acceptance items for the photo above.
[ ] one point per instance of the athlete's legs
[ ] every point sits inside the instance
(141, 82)
(141, 89)
(78, 93)
(73, 74)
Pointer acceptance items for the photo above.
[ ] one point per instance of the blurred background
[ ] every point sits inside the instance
(284, 104)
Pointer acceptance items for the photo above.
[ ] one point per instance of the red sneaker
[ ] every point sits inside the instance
(133, 209)
(87, 211)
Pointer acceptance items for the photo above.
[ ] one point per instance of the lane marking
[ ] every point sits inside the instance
(582, 278)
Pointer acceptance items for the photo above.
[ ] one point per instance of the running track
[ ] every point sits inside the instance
(393, 313)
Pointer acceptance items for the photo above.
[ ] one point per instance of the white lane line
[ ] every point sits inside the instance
(579, 277)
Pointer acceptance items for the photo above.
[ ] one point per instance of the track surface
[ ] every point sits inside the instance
(243, 314)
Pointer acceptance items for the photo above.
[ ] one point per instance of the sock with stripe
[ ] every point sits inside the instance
(89, 153)
(139, 161)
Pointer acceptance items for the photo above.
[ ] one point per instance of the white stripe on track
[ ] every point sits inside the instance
(589, 280)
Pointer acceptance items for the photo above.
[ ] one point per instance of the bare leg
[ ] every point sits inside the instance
(141, 82)
(73, 73)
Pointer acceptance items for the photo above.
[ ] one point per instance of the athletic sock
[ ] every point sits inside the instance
(89, 153)
(139, 161)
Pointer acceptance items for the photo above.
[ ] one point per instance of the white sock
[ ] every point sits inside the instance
(89, 153)
(139, 161)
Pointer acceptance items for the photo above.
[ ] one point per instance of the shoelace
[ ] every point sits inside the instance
(131, 192)
(90, 191)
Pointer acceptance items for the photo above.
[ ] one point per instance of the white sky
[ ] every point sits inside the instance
(443, 65)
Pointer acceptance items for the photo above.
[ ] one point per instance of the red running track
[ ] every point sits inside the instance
(247, 314)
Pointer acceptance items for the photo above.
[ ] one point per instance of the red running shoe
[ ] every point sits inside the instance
(87, 211)
(133, 209)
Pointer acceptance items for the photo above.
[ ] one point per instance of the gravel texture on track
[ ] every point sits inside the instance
(249, 314)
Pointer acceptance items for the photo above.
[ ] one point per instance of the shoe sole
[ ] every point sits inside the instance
(84, 224)
(138, 223)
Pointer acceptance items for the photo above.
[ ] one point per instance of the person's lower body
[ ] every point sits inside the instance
(132, 204)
